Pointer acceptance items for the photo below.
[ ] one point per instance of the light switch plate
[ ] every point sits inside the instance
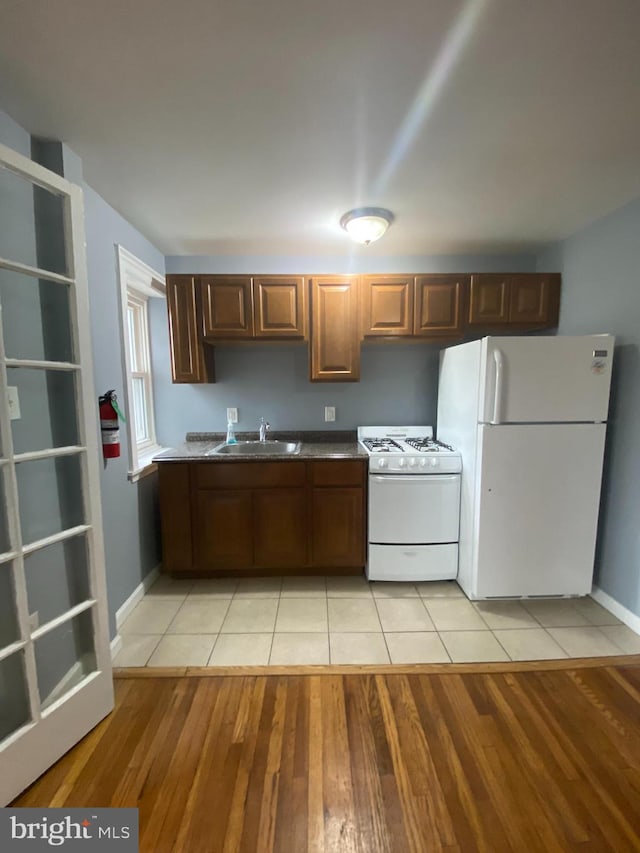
(329, 413)
(232, 415)
(13, 402)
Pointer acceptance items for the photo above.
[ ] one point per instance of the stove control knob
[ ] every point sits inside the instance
(434, 463)
(400, 463)
(413, 463)
(382, 463)
(423, 463)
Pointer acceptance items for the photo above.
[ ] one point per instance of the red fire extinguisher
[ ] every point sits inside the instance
(109, 413)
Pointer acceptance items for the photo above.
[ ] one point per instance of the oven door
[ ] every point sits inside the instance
(414, 509)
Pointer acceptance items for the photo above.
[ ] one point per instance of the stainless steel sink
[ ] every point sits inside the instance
(257, 448)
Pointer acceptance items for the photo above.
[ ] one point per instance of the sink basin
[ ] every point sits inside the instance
(257, 448)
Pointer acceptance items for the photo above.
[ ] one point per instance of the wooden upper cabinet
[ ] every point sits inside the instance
(387, 305)
(227, 302)
(489, 300)
(535, 299)
(439, 301)
(520, 300)
(335, 340)
(280, 307)
(191, 358)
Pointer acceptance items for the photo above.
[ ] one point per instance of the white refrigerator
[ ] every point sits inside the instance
(528, 415)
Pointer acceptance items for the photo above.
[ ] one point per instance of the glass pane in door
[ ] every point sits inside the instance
(49, 496)
(64, 657)
(9, 631)
(36, 318)
(57, 579)
(47, 409)
(33, 233)
(14, 696)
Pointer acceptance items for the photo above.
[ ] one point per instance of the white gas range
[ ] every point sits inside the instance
(414, 504)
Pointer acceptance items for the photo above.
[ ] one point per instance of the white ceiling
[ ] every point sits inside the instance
(246, 127)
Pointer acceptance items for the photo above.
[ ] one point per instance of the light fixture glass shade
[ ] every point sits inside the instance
(366, 224)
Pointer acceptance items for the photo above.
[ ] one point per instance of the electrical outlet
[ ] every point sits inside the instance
(13, 403)
(329, 413)
(232, 415)
(34, 620)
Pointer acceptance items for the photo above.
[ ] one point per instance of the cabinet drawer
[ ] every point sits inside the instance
(248, 475)
(338, 472)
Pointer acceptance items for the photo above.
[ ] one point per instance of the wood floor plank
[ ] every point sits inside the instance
(495, 761)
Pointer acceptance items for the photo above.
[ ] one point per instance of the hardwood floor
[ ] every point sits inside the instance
(497, 760)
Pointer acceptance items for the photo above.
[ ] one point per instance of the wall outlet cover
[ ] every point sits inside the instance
(329, 413)
(232, 415)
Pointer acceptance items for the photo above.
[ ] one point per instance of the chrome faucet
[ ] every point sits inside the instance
(265, 426)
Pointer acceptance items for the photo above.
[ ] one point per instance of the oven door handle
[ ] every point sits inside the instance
(434, 479)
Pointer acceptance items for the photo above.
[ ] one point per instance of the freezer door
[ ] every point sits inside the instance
(545, 379)
(537, 509)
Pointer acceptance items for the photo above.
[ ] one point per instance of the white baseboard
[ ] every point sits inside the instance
(136, 596)
(116, 645)
(631, 619)
(126, 608)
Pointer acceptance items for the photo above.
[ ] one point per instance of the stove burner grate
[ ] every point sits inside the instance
(382, 445)
(430, 445)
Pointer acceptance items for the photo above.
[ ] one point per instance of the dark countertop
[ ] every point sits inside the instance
(315, 445)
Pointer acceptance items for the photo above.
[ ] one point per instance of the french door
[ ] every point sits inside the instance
(55, 665)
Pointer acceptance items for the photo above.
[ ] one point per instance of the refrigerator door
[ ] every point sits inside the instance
(538, 492)
(545, 379)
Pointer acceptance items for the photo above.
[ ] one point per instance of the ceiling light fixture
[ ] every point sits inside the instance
(366, 224)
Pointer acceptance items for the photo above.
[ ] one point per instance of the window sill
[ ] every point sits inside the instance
(146, 465)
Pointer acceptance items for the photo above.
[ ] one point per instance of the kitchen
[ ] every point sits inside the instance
(596, 256)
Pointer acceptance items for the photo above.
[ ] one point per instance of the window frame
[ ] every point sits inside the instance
(138, 283)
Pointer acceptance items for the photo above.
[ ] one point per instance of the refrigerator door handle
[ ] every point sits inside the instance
(498, 359)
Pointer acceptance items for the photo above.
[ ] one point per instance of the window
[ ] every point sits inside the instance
(138, 283)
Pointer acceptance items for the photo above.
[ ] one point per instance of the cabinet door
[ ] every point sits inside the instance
(337, 527)
(175, 516)
(280, 528)
(223, 531)
(387, 305)
(438, 304)
(535, 299)
(227, 305)
(335, 343)
(280, 307)
(489, 300)
(191, 358)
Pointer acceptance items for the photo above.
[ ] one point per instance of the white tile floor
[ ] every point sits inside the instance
(259, 621)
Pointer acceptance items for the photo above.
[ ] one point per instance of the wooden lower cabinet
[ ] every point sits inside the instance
(175, 515)
(223, 529)
(222, 518)
(279, 528)
(337, 529)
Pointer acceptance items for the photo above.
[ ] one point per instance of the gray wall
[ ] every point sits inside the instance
(398, 381)
(600, 268)
(127, 508)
